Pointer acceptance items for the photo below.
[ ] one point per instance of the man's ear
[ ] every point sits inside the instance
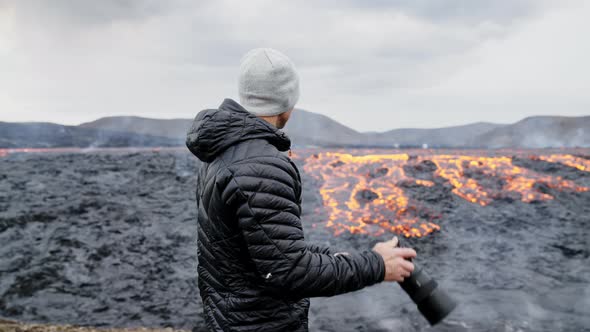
(283, 118)
(288, 114)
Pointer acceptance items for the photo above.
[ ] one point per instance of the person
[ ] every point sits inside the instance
(256, 272)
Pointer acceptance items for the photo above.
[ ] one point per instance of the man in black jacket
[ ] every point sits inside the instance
(256, 272)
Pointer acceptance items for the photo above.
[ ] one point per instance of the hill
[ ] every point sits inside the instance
(171, 128)
(50, 135)
(449, 137)
(307, 129)
(539, 132)
(313, 129)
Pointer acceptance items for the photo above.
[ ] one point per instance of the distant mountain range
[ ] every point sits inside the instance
(306, 129)
(539, 132)
(450, 137)
(50, 135)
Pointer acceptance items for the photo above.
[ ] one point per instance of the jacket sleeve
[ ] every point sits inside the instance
(269, 219)
(319, 249)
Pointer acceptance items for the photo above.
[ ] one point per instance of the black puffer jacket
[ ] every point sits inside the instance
(256, 272)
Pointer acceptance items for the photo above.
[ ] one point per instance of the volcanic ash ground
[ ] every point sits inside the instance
(109, 239)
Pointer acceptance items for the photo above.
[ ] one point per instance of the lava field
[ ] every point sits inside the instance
(108, 238)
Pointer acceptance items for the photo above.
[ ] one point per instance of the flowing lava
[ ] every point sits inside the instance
(365, 194)
(568, 160)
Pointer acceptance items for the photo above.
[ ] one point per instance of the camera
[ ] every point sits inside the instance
(433, 302)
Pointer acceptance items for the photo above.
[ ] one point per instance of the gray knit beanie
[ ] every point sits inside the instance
(268, 83)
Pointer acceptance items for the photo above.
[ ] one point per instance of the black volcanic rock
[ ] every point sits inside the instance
(423, 170)
(379, 172)
(108, 239)
(366, 196)
(541, 166)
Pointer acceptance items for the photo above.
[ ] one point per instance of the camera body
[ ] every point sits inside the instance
(432, 301)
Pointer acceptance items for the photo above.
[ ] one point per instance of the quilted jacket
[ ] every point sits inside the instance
(255, 270)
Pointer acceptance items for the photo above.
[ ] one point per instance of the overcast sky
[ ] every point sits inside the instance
(370, 64)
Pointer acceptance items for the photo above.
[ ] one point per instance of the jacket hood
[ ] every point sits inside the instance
(215, 130)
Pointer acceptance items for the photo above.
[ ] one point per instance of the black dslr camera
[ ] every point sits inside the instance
(432, 301)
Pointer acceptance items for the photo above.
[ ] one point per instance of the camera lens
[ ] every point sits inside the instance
(433, 302)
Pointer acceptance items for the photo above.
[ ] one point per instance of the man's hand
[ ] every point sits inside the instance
(396, 266)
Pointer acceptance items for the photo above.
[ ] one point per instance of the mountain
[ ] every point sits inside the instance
(450, 137)
(313, 129)
(539, 132)
(307, 129)
(50, 135)
(171, 128)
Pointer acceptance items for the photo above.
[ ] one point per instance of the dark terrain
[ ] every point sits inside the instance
(109, 239)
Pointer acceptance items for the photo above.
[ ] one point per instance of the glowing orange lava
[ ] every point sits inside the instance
(569, 160)
(518, 179)
(364, 194)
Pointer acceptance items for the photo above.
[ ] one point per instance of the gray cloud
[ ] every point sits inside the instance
(460, 10)
(88, 13)
(140, 57)
(107, 11)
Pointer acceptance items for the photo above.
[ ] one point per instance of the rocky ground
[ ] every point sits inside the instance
(108, 240)
(14, 326)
